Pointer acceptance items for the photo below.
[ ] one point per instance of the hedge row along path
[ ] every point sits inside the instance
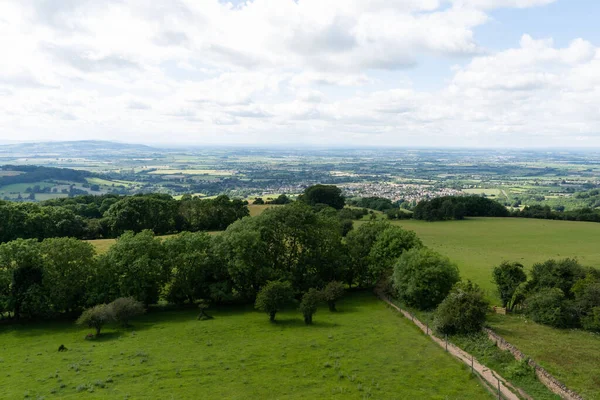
(492, 378)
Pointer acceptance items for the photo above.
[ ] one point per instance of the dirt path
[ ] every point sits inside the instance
(490, 376)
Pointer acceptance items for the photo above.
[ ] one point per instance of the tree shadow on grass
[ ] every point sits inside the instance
(292, 323)
(107, 336)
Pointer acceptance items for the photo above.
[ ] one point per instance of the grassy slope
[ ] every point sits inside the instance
(477, 245)
(364, 349)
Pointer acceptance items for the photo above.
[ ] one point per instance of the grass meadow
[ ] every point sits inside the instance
(479, 244)
(365, 350)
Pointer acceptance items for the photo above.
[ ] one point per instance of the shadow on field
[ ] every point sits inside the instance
(296, 322)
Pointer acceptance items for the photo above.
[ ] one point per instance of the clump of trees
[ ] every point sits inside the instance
(332, 293)
(323, 194)
(559, 293)
(458, 207)
(108, 216)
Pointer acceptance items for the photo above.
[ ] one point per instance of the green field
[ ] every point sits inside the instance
(478, 244)
(366, 350)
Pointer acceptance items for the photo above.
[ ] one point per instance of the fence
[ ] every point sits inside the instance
(490, 378)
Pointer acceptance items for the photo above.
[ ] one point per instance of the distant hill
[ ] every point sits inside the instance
(83, 148)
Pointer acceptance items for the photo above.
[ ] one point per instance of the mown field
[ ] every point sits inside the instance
(478, 244)
(366, 350)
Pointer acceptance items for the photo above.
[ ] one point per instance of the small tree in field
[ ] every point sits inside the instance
(332, 293)
(273, 296)
(126, 308)
(309, 304)
(203, 306)
(96, 317)
(508, 277)
(462, 311)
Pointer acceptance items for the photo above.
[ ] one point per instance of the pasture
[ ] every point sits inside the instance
(479, 244)
(365, 350)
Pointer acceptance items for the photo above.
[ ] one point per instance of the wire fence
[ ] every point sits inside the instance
(499, 386)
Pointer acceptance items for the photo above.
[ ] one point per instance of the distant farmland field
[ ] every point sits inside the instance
(365, 350)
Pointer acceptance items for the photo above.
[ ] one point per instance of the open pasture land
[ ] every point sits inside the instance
(479, 244)
(365, 350)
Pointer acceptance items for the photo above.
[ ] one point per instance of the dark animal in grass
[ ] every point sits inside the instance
(62, 348)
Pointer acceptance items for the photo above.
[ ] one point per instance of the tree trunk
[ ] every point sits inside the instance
(98, 328)
(272, 316)
(331, 306)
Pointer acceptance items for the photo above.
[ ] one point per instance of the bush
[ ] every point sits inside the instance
(332, 293)
(591, 321)
(273, 296)
(508, 277)
(423, 278)
(548, 307)
(126, 308)
(463, 311)
(96, 317)
(309, 304)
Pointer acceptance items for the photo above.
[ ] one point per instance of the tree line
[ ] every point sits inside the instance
(293, 243)
(108, 216)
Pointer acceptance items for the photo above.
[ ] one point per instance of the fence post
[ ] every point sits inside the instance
(472, 363)
(499, 395)
(446, 342)
(428, 328)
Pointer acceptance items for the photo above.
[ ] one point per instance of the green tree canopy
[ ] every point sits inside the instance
(423, 278)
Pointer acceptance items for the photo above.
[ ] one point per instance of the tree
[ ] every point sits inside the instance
(258, 201)
(193, 266)
(324, 194)
(549, 307)
(22, 262)
(560, 274)
(124, 309)
(462, 311)
(133, 267)
(423, 278)
(360, 243)
(332, 293)
(309, 304)
(587, 300)
(67, 263)
(273, 296)
(508, 277)
(96, 317)
(388, 247)
(155, 212)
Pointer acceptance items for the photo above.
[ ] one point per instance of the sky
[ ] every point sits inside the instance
(439, 73)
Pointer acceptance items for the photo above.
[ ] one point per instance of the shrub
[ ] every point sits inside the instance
(591, 321)
(332, 293)
(549, 307)
(463, 311)
(423, 278)
(96, 317)
(309, 304)
(126, 308)
(508, 277)
(273, 296)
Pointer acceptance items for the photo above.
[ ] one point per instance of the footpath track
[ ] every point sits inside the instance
(492, 378)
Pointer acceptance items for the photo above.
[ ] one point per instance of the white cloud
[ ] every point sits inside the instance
(283, 70)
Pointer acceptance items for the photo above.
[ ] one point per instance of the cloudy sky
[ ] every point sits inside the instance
(306, 72)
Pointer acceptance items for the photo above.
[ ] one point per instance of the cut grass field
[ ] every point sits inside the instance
(479, 244)
(366, 350)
